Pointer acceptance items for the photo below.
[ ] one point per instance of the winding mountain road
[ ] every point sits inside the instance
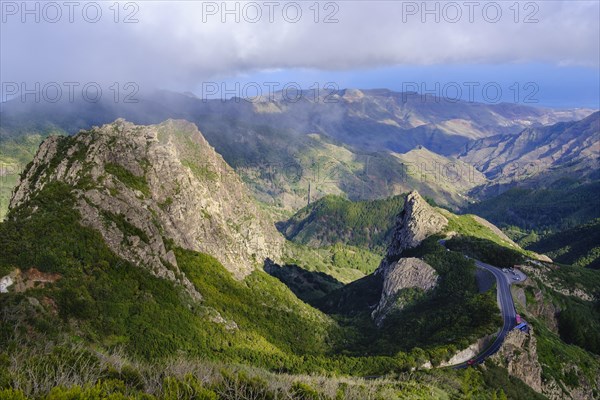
(507, 308)
(505, 303)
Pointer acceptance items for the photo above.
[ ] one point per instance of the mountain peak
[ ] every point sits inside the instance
(417, 221)
(149, 188)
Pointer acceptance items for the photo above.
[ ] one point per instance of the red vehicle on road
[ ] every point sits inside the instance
(518, 319)
(471, 362)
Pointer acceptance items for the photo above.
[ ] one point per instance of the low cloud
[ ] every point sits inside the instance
(183, 43)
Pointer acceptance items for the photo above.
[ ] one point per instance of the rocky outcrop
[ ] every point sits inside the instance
(469, 353)
(20, 282)
(6, 282)
(417, 221)
(403, 274)
(538, 305)
(541, 272)
(518, 354)
(147, 189)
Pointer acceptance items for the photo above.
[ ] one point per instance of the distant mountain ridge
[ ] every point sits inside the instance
(337, 114)
(571, 147)
(356, 143)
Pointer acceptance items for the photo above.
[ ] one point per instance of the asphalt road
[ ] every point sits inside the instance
(507, 308)
(505, 303)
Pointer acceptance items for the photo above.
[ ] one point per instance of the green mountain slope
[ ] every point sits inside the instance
(334, 219)
(564, 204)
(342, 145)
(15, 154)
(99, 260)
(133, 269)
(578, 246)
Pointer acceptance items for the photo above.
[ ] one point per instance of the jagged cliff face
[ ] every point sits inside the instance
(519, 355)
(147, 188)
(406, 273)
(417, 222)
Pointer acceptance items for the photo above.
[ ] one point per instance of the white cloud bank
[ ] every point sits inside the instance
(184, 42)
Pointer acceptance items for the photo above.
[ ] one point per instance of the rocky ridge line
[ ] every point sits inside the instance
(417, 221)
(147, 189)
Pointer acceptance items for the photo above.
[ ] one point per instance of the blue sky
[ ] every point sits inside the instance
(533, 84)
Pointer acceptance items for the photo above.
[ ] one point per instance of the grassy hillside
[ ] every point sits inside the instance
(481, 242)
(565, 204)
(101, 300)
(102, 326)
(108, 328)
(343, 262)
(578, 246)
(441, 322)
(369, 224)
(334, 219)
(115, 303)
(15, 154)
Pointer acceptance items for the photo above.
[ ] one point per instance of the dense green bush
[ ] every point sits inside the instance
(507, 386)
(302, 391)
(486, 251)
(128, 178)
(10, 394)
(579, 246)
(558, 358)
(130, 376)
(5, 379)
(190, 389)
(579, 324)
(561, 206)
(100, 391)
(334, 219)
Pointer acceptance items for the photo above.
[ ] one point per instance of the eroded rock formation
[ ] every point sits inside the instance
(147, 189)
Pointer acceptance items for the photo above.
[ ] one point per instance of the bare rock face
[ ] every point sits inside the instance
(149, 188)
(417, 222)
(403, 274)
(519, 355)
(470, 352)
(539, 306)
(541, 272)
